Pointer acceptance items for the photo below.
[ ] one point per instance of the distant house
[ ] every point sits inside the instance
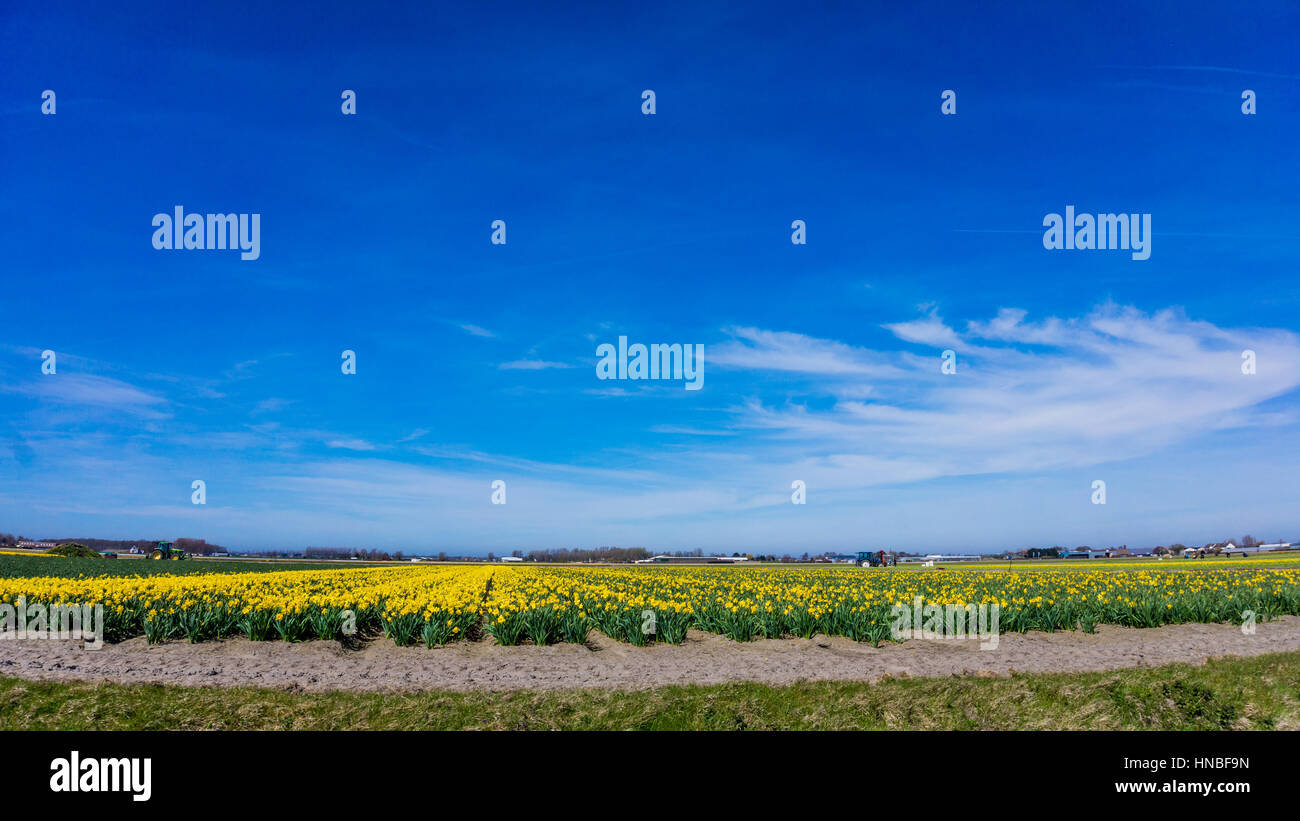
(1042, 553)
(1212, 547)
(505, 559)
(1087, 553)
(1221, 549)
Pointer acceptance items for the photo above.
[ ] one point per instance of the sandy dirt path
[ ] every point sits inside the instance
(379, 665)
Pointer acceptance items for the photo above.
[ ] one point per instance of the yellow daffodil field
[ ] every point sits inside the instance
(438, 604)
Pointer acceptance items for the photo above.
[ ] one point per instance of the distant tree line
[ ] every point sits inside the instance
(198, 547)
(195, 547)
(365, 554)
(329, 553)
(599, 554)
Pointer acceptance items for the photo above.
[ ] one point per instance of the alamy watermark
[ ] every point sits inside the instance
(198, 232)
(1101, 232)
(53, 622)
(949, 621)
(124, 775)
(655, 361)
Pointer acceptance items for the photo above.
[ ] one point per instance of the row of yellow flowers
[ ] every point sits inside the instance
(773, 602)
(443, 603)
(291, 605)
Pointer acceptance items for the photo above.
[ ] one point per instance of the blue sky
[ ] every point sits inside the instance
(476, 362)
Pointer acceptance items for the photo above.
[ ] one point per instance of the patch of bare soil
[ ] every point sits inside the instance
(379, 665)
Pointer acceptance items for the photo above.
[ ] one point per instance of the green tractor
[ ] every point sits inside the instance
(165, 552)
(873, 559)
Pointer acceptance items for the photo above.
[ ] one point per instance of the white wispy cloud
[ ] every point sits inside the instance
(757, 349)
(929, 330)
(271, 405)
(1114, 384)
(350, 444)
(80, 389)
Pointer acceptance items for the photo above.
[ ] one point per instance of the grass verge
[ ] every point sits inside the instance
(1260, 693)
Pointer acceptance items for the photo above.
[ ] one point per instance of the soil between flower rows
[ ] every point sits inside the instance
(703, 658)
